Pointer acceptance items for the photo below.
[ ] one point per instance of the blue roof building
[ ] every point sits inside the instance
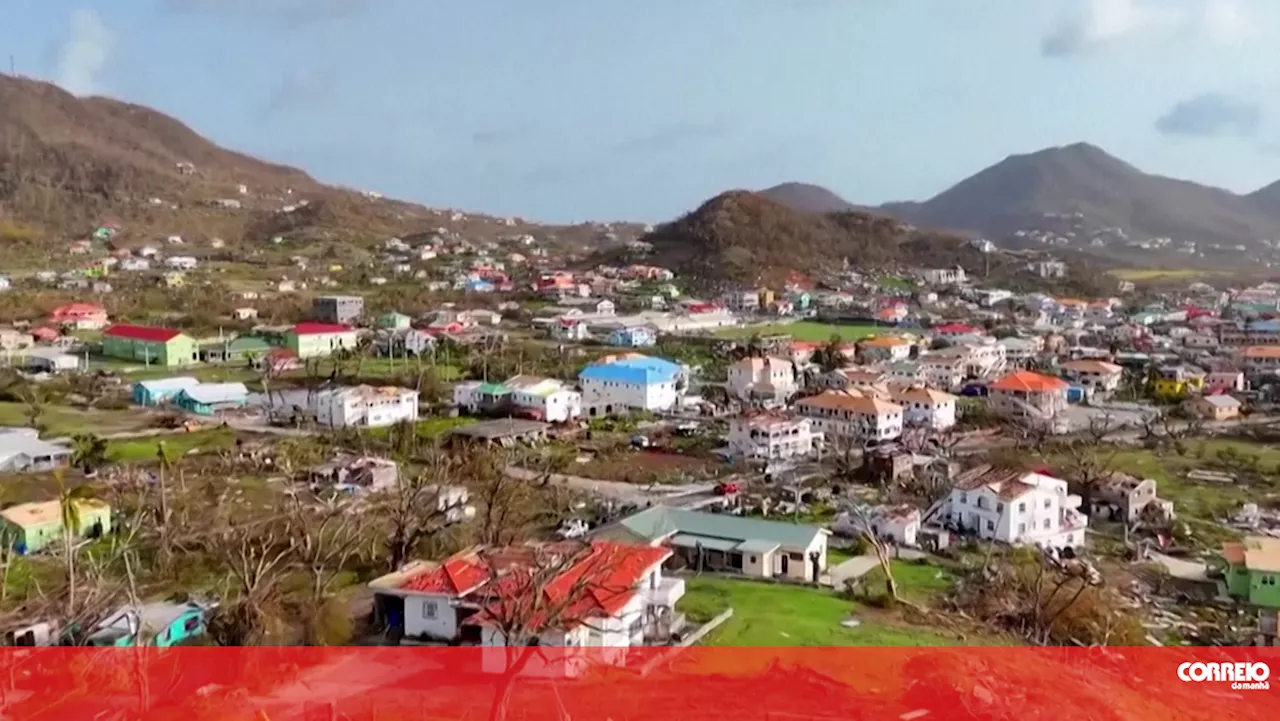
(632, 383)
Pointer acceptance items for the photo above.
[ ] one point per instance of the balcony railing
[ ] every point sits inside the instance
(669, 591)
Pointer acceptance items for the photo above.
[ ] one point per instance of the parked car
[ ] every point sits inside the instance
(728, 488)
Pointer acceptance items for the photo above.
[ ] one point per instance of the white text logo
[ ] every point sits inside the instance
(1241, 676)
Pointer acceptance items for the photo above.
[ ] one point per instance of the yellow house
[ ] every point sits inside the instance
(1178, 382)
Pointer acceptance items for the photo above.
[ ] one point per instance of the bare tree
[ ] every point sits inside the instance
(328, 538)
(256, 558)
(419, 507)
(537, 589)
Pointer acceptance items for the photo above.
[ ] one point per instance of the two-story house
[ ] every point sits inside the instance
(1013, 506)
(620, 384)
(772, 436)
(1252, 570)
(885, 349)
(1097, 377)
(853, 416)
(762, 378)
(927, 407)
(1028, 396)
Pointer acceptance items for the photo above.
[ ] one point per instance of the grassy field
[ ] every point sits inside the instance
(768, 614)
(806, 331)
(141, 450)
(1145, 274)
(1198, 503)
(66, 421)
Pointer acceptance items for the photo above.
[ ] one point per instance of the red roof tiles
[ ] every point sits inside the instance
(320, 328)
(150, 334)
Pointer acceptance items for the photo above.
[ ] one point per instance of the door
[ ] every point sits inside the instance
(786, 563)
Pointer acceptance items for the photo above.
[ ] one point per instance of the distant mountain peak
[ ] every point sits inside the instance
(807, 198)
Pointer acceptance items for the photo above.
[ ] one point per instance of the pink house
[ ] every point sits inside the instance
(79, 316)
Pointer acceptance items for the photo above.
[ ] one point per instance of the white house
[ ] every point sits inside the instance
(1013, 507)
(898, 524)
(1028, 396)
(181, 262)
(927, 407)
(943, 276)
(762, 377)
(853, 416)
(620, 384)
(365, 406)
(730, 544)
(769, 436)
(624, 597)
(549, 399)
(1098, 376)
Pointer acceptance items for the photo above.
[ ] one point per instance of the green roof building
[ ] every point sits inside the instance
(721, 542)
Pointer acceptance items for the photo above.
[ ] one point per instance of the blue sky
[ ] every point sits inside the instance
(566, 110)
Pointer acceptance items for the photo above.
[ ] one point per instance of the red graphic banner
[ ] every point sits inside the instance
(739, 684)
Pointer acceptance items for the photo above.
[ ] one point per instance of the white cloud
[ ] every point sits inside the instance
(85, 54)
(1094, 24)
(1228, 20)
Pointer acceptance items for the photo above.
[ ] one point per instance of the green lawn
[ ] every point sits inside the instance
(806, 331)
(66, 421)
(1199, 503)
(136, 450)
(769, 614)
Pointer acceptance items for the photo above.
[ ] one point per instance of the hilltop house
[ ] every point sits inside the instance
(150, 345)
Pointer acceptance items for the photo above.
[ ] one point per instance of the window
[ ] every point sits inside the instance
(1048, 502)
(964, 497)
(991, 525)
(1046, 523)
(1022, 508)
(429, 609)
(999, 508)
(1022, 528)
(753, 559)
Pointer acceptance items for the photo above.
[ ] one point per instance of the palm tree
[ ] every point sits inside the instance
(70, 501)
(89, 452)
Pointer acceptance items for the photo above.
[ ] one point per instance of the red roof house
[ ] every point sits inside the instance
(311, 328)
(82, 316)
(151, 334)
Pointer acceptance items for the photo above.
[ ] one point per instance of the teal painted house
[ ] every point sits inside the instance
(162, 390)
(206, 399)
(152, 624)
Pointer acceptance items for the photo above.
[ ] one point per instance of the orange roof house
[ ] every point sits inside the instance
(1028, 382)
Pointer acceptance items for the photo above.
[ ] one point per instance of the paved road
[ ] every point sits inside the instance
(624, 492)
